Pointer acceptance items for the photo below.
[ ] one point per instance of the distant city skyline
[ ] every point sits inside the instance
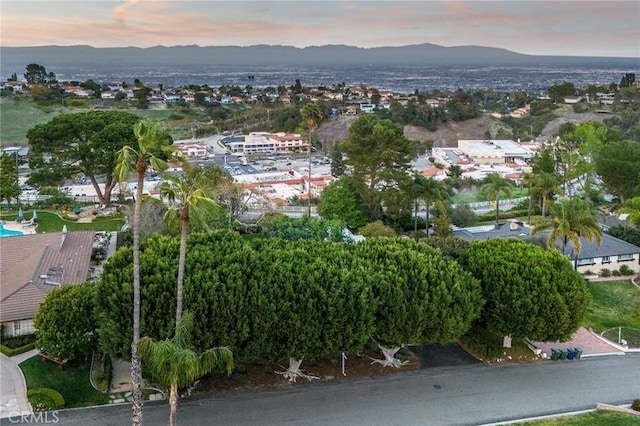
(563, 28)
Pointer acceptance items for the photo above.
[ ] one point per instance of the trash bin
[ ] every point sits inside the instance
(563, 354)
(555, 354)
(571, 353)
(578, 353)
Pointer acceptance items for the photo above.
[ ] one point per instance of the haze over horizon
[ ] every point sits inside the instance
(560, 28)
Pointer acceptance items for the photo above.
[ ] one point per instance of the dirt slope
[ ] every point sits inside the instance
(446, 136)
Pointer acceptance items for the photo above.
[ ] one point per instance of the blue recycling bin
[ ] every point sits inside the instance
(578, 353)
(571, 353)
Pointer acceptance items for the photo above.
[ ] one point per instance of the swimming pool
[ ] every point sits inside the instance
(8, 233)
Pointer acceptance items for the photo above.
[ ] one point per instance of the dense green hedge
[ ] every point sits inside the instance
(272, 299)
(17, 351)
(45, 399)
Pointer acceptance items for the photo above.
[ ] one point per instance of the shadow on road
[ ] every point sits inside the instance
(442, 356)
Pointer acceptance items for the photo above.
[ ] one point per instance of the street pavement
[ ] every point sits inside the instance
(452, 395)
(13, 389)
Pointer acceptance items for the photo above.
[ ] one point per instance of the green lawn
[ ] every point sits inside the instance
(596, 418)
(51, 222)
(72, 382)
(614, 304)
(478, 196)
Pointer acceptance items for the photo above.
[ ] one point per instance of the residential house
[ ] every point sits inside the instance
(33, 265)
(611, 254)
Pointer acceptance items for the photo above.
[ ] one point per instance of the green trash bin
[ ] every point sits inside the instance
(555, 354)
(578, 353)
(563, 353)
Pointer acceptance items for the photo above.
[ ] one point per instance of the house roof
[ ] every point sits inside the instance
(611, 246)
(33, 265)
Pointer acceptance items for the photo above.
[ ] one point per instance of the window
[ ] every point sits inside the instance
(587, 261)
(606, 259)
(625, 257)
(16, 328)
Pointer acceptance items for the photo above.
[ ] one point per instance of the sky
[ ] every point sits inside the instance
(567, 28)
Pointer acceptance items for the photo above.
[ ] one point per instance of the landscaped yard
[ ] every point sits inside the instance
(614, 304)
(596, 418)
(478, 196)
(52, 222)
(72, 382)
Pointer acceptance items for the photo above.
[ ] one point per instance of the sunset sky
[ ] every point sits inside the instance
(576, 28)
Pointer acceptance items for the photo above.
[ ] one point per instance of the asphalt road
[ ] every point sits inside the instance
(452, 395)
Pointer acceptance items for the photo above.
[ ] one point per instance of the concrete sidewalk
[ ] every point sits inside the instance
(13, 388)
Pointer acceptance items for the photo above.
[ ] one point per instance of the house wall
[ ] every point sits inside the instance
(18, 328)
(612, 263)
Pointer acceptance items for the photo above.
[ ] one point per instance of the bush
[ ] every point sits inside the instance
(635, 405)
(626, 270)
(18, 341)
(483, 343)
(604, 272)
(615, 273)
(102, 376)
(17, 351)
(45, 399)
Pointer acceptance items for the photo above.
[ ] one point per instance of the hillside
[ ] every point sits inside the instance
(446, 136)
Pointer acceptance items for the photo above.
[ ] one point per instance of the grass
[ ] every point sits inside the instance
(595, 418)
(18, 117)
(478, 196)
(72, 382)
(614, 304)
(52, 222)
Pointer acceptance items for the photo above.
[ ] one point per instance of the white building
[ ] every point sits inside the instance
(495, 151)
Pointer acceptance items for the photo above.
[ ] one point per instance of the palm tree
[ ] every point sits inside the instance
(135, 162)
(546, 184)
(495, 186)
(571, 220)
(432, 192)
(311, 114)
(189, 202)
(527, 181)
(176, 365)
(632, 208)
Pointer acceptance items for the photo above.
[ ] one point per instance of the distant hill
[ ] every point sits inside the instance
(266, 55)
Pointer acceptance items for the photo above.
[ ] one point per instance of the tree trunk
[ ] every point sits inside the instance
(427, 219)
(96, 187)
(530, 206)
(390, 359)
(497, 209)
(506, 341)
(173, 404)
(309, 183)
(181, 262)
(294, 371)
(415, 219)
(136, 362)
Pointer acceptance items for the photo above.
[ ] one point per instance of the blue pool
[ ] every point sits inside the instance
(7, 233)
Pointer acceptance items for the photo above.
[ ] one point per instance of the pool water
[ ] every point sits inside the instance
(8, 233)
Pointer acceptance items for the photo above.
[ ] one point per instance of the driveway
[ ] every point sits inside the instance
(13, 389)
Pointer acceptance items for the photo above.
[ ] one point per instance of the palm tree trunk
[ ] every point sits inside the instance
(181, 262)
(428, 206)
(415, 219)
(173, 404)
(309, 183)
(497, 209)
(530, 206)
(544, 205)
(136, 362)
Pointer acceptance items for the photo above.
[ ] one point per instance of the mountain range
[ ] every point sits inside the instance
(270, 55)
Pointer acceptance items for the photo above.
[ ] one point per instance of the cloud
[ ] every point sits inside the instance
(121, 10)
